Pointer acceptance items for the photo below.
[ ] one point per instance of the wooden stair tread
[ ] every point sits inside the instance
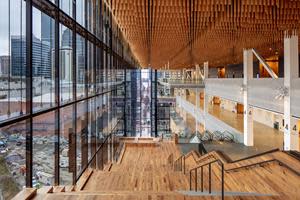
(45, 189)
(107, 167)
(57, 189)
(83, 179)
(26, 194)
(70, 188)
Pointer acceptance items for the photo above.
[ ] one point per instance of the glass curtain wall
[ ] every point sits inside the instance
(62, 89)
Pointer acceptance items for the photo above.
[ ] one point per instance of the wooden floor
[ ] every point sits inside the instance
(144, 173)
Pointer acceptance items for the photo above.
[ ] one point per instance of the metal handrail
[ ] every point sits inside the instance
(261, 163)
(118, 151)
(97, 151)
(229, 170)
(209, 176)
(170, 159)
(249, 157)
(179, 164)
(92, 158)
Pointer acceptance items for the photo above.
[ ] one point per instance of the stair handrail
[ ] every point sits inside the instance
(248, 157)
(170, 159)
(179, 163)
(221, 164)
(228, 160)
(261, 163)
(92, 158)
(252, 164)
(195, 169)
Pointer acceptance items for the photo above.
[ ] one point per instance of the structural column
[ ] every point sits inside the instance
(183, 74)
(248, 110)
(183, 111)
(197, 95)
(291, 71)
(197, 72)
(206, 101)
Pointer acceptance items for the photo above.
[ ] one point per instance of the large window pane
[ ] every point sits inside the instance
(91, 67)
(67, 144)
(80, 66)
(80, 12)
(12, 59)
(12, 159)
(90, 14)
(66, 6)
(43, 149)
(65, 65)
(43, 61)
(82, 133)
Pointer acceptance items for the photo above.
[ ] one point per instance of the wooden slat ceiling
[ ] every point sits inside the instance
(185, 32)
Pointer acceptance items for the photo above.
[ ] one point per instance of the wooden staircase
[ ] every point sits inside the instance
(145, 171)
(273, 172)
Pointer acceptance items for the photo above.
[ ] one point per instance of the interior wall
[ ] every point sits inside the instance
(268, 118)
(299, 128)
(228, 105)
(273, 62)
(213, 72)
(236, 70)
(262, 116)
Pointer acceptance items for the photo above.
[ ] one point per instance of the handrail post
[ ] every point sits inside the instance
(201, 179)
(222, 168)
(209, 177)
(191, 180)
(196, 179)
(184, 164)
(181, 164)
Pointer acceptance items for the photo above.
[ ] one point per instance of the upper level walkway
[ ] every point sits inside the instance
(179, 83)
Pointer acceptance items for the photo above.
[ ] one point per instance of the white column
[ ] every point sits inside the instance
(206, 101)
(291, 70)
(183, 74)
(197, 74)
(248, 111)
(184, 115)
(197, 95)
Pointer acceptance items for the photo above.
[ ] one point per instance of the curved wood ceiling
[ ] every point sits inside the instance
(186, 32)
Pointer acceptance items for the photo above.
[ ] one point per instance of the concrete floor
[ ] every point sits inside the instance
(265, 137)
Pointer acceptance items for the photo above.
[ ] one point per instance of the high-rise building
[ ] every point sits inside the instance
(66, 64)
(4, 65)
(66, 43)
(41, 65)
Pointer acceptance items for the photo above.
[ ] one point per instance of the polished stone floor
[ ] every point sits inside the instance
(265, 137)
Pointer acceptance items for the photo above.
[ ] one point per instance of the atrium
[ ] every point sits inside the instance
(149, 99)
